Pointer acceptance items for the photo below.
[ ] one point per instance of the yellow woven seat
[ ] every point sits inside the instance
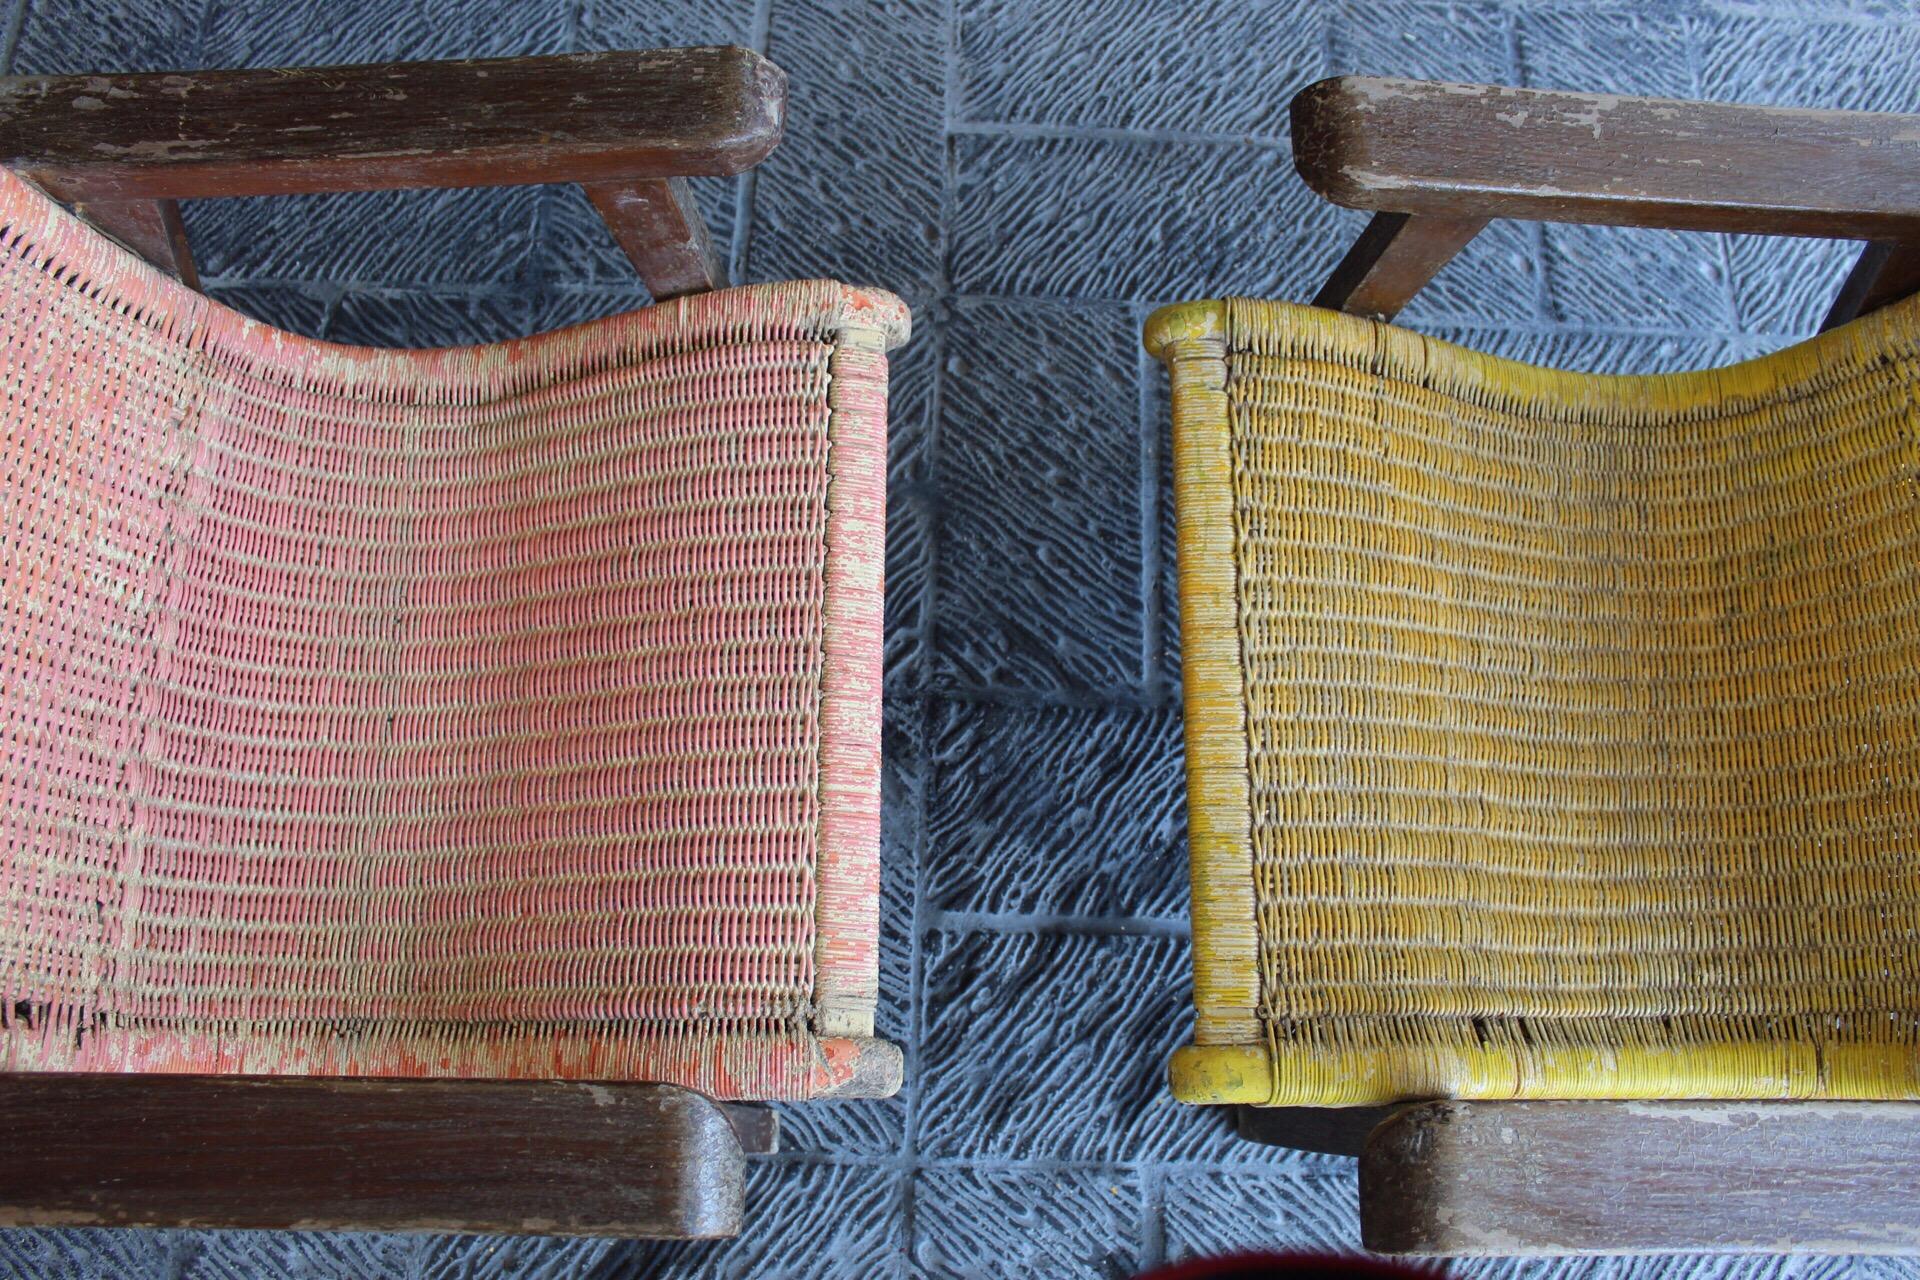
(1549, 735)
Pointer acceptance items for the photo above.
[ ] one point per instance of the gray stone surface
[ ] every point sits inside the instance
(1032, 176)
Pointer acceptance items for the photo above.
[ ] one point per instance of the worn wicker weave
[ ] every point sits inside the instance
(1549, 735)
(499, 711)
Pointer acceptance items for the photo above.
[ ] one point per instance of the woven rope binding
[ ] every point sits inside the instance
(496, 711)
(1572, 720)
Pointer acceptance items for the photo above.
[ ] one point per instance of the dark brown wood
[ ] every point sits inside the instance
(756, 1126)
(151, 228)
(1483, 151)
(658, 225)
(590, 117)
(377, 1155)
(1393, 259)
(1883, 273)
(1333, 1131)
(1620, 1177)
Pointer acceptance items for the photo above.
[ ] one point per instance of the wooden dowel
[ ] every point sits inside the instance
(1393, 259)
(658, 225)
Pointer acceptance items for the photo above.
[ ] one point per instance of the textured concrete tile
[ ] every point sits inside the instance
(300, 310)
(387, 238)
(68, 37)
(1621, 277)
(280, 33)
(1855, 10)
(1039, 491)
(1054, 1046)
(853, 191)
(1625, 352)
(1426, 40)
(430, 318)
(648, 24)
(1214, 1213)
(1596, 49)
(1495, 279)
(1794, 63)
(910, 549)
(555, 306)
(1664, 1266)
(1217, 66)
(1024, 1223)
(571, 242)
(62, 1254)
(862, 1126)
(1057, 812)
(1661, 1266)
(310, 1255)
(1783, 285)
(804, 1221)
(508, 1258)
(1105, 219)
(252, 1255)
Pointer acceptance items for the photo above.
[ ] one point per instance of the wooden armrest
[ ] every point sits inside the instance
(587, 117)
(312, 1153)
(629, 126)
(1536, 1178)
(1481, 151)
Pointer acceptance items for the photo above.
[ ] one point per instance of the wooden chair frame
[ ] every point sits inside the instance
(630, 127)
(1434, 163)
(442, 1155)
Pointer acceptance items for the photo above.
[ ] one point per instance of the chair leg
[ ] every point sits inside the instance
(1540, 1178)
(659, 227)
(1393, 259)
(756, 1125)
(541, 1157)
(150, 228)
(1885, 272)
(1333, 1131)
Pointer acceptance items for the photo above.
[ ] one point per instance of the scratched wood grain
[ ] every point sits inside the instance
(1487, 151)
(512, 1157)
(589, 117)
(1526, 1178)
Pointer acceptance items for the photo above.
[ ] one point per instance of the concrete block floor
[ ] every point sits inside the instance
(1034, 176)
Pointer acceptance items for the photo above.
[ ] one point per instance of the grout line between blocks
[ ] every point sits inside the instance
(16, 23)
(1033, 132)
(1308, 1168)
(746, 189)
(938, 920)
(1152, 598)
(1153, 1216)
(909, 1156)
(927, 773)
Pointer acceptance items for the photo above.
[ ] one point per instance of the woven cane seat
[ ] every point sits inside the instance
(1549, 735)
(500, 711)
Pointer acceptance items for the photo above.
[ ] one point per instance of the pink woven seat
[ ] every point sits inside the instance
(502, 711)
